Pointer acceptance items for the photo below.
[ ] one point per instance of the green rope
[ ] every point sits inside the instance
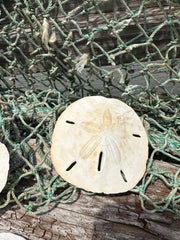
(53, 53)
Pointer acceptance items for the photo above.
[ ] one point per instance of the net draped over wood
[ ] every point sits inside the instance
(55, 52)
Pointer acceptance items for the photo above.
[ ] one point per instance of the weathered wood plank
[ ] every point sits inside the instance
(96, 217)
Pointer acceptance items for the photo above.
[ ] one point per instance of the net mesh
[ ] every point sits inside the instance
(55, 52)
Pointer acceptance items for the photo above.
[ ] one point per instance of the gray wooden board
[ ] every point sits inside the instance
(92, 217)
(162, 75)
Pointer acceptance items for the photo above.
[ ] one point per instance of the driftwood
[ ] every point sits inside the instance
(96, 217)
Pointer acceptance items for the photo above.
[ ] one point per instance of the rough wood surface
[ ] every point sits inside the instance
(96, 217)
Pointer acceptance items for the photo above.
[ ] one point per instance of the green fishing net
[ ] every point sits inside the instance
(54, 52)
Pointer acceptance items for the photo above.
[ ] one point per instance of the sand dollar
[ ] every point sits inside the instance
(4, 165)
(99, 144)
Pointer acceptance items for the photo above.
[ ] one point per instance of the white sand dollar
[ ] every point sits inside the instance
(4, 165)
(10, 236)
(99, 144)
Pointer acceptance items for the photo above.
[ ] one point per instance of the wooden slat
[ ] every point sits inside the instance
(97, 217)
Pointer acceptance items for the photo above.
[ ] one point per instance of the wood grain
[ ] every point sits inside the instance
(96, 217)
